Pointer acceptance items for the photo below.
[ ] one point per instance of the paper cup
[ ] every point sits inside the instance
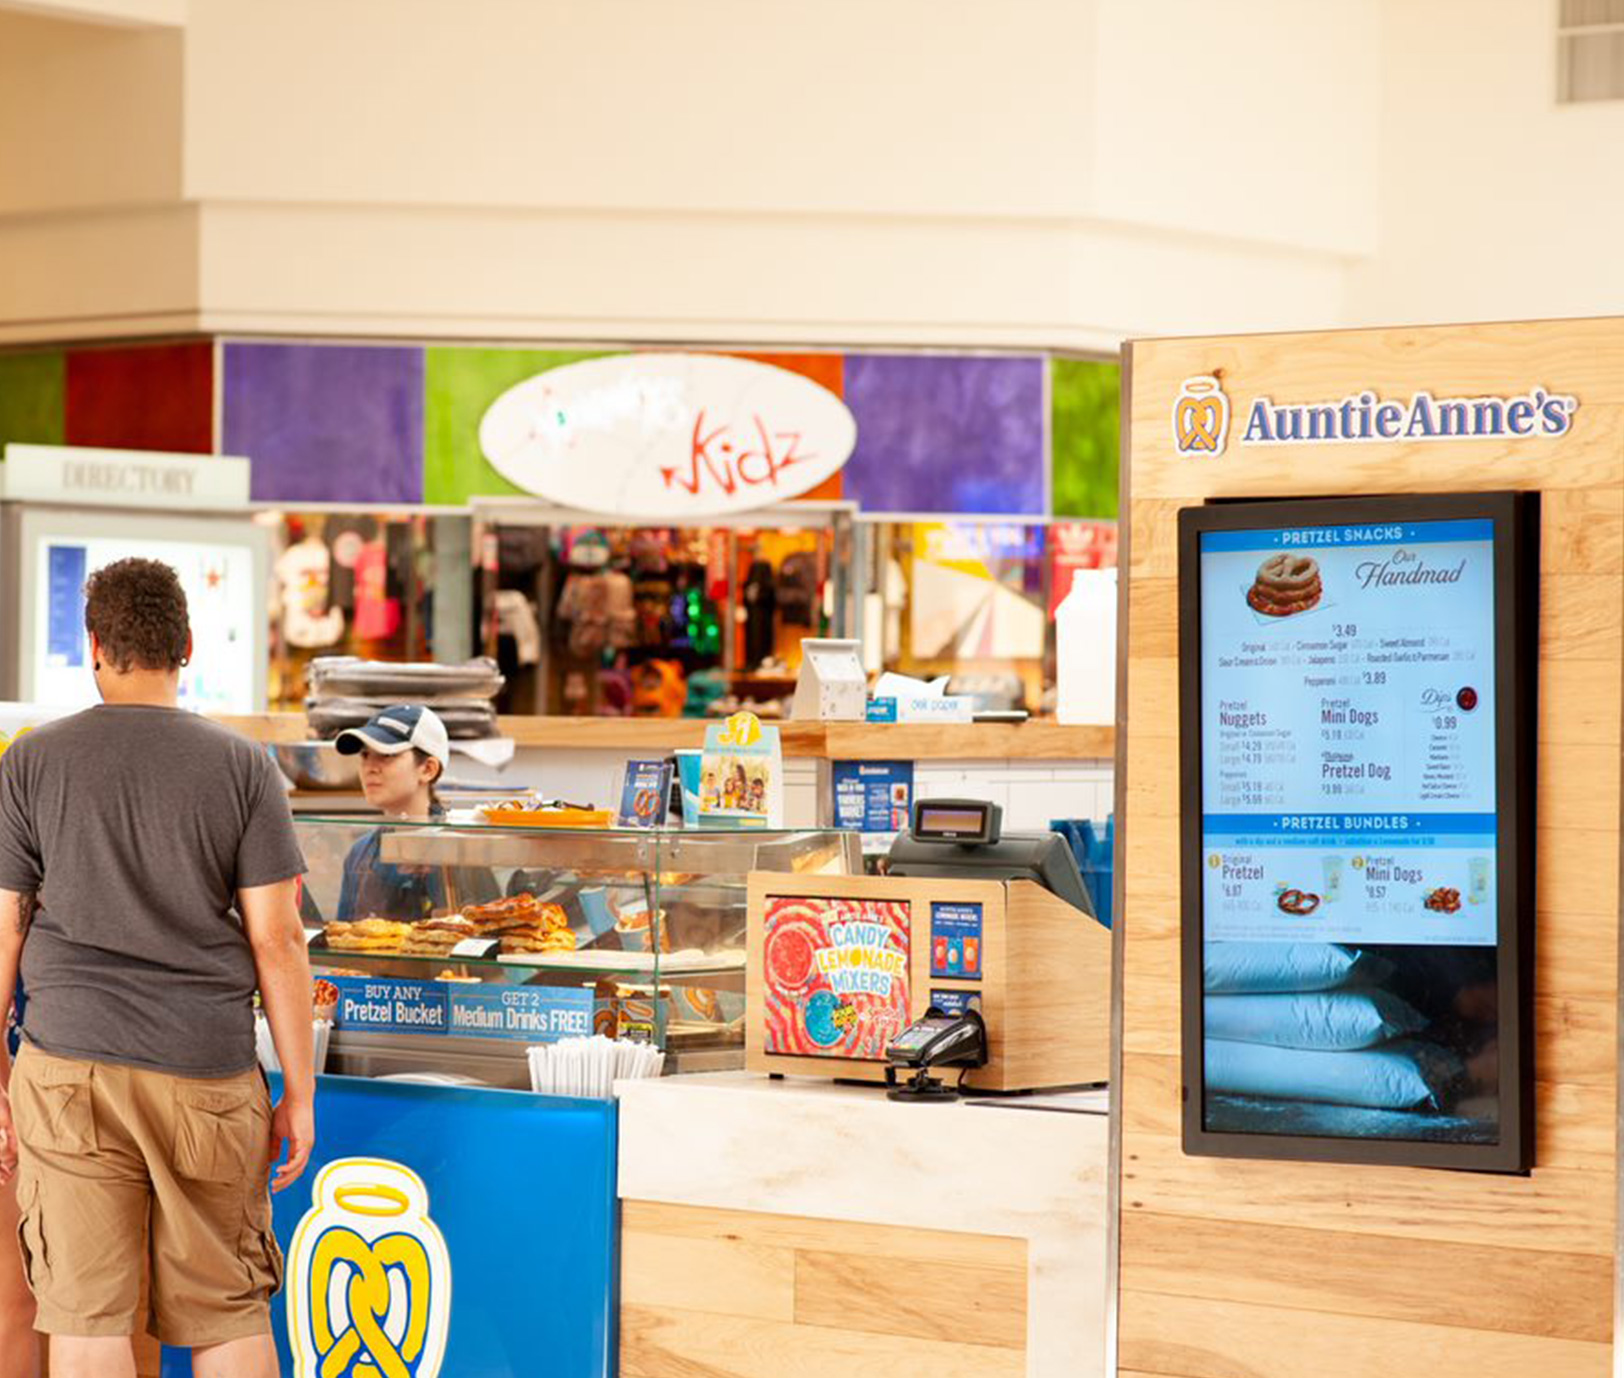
(689, 763)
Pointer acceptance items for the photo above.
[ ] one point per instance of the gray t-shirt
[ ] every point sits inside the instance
(137, 826)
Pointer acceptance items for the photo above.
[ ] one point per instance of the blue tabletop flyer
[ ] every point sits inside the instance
(645, 794)
(873, 796)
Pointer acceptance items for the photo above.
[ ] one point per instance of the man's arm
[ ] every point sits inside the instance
(16, 913)
(270, 915)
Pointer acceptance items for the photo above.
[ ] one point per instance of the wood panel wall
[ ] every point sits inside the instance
(737, 1294)
(1285, 1270)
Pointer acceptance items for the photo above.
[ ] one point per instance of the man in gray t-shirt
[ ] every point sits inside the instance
(150, 820)
(148, 872)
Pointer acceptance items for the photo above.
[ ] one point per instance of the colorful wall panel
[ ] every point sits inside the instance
(142, 397)
(32, 406)
(459, 384)
(947, 433)
(1084, 436)
(327, 423)
(1004, 435)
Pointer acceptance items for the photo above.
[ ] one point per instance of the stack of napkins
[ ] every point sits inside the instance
(267, 1049)
(591, 1066)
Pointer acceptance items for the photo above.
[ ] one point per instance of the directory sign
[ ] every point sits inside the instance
(1353, 819)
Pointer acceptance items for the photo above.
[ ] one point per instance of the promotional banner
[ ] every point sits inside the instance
(741, 775)
(836, 975)
(523, 1014)
(873, 796)
(644, 794)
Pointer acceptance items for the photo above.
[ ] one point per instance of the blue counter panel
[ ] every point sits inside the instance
(520, 1212)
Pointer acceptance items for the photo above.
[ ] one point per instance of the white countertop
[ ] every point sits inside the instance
(1033, 1168)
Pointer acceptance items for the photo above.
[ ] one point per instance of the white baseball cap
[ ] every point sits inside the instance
(398, 729)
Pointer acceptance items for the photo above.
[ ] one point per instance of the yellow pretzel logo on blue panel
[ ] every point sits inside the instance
(369, 1278)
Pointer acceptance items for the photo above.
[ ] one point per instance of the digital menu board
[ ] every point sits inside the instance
(1357, 714)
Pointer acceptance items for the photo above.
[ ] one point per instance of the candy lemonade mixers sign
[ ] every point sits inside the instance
(837, 975)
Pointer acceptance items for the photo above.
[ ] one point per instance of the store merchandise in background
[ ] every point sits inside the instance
(635, 619)
(977, 599)
(977, 591)
(357, 584)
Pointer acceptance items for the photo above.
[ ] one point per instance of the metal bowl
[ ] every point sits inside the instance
(317, 765)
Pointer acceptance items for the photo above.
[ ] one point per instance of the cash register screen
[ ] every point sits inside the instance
(939, 822)
(1356, 827)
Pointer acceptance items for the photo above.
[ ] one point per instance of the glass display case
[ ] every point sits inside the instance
(442, 950)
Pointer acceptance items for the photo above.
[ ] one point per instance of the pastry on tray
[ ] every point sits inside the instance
(367, 935)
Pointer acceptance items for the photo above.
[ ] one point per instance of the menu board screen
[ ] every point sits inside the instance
(1355, 825)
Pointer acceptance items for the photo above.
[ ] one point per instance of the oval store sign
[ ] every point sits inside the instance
(667, 435)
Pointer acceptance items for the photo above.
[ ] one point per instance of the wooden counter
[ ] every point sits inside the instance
(1031, 741)
(800, 1227)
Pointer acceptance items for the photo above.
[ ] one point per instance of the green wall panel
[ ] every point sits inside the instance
(1084, 429)
(459, 384)
(33, 407)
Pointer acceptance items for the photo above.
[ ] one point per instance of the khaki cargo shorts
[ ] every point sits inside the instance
(122, 1168)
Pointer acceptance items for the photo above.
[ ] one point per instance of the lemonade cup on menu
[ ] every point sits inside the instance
(1331, 869)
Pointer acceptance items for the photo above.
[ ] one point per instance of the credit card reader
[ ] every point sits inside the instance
(936, 1040)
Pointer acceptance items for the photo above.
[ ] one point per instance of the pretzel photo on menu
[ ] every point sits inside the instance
(1286, 584)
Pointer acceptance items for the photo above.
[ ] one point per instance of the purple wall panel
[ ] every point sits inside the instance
(937, 433)
(327, 423)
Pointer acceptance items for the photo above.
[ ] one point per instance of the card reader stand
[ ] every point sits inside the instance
(937, 1040)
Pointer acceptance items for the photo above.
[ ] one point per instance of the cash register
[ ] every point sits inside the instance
(965, 839)
(977, 949)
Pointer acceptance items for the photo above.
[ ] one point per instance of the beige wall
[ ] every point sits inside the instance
(1496, 203)
(926, 171)
(954, 172)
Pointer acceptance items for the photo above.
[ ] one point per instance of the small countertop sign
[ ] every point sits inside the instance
(741, 775)
(832, 686)
(645, 794)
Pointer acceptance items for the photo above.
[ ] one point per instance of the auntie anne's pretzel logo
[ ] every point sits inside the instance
(1201, 417)
(369, 1283)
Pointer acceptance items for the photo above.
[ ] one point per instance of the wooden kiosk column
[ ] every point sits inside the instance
(1280, 1269)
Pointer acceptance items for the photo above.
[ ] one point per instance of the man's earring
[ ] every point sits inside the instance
(97, 665)
(185, 660)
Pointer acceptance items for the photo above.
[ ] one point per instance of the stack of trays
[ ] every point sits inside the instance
(345, 691)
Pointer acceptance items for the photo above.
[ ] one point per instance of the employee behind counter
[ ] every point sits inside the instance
(404, 751)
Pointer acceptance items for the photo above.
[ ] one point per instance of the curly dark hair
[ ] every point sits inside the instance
(137, 610)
